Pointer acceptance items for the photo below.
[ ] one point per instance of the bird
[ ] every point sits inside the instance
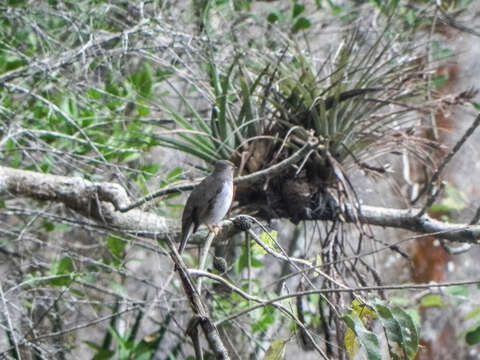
(209, 201)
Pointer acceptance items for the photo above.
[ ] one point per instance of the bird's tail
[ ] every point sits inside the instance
(185, 237)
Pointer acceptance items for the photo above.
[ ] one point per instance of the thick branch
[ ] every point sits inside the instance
(407, 219)
(99, 201)
(95, 200)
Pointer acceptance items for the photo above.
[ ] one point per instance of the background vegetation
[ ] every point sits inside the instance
(336, 114)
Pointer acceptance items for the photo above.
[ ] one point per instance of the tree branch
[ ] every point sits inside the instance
(407, 219)
(432, 196)
(201, 316)
(99, 201)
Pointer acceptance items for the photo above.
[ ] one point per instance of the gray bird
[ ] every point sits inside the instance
(209, 201)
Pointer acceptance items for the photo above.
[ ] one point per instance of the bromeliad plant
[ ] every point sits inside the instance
(358, 104)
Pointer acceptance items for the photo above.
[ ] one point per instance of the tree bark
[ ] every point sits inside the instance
(99, 201)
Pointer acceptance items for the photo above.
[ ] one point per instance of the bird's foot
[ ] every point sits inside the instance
(215, 229)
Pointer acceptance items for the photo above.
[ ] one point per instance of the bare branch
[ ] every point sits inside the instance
(6, 313)
(407, 219)
(201, 316)
(98, 201)
(59, 60)
(428, 189)
(262, 303)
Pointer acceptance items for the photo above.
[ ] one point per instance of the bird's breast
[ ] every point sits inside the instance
(221, 205)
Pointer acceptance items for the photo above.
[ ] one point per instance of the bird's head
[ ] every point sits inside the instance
(224, 166)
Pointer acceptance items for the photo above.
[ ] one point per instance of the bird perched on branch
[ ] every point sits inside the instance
(209, 201)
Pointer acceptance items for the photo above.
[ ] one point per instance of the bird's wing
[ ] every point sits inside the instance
(208, 190)
(203, 193)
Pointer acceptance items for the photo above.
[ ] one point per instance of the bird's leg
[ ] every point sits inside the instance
(215, 229)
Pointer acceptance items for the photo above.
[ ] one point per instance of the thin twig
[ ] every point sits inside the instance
(476, 217)
(293, 261)
(336, 290)
(261, 303)
(203, 258)
(450, 21)
(87, 324)
(432, 196)
(209, 329)
(10, 324)
(63, 114)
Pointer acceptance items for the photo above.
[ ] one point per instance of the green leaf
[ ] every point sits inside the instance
(473, 313)
(363, 311)
(410, 17)
(63, 266)
(175, 174)
(472, 336)
(134, 156)
(297, 9)
(242, 262)
(409, 331)
(266, 319)
(268, 239)
(142, 80)
(399, 327)
(367, 339)
(432, 300)
(454, 201)
(391, 326)
(256, 263)
(94, 94)
(273, 17)
(101, 354)
(48, 226)
(150, 169)
(222, 103)
(171, 177)
(276, 350)
(246, 115)
(116, 246)
(335, 8)
(199, 120)
(302, 23)
(77, 293)
(118, 288)
(351, 343)
(207, 155)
